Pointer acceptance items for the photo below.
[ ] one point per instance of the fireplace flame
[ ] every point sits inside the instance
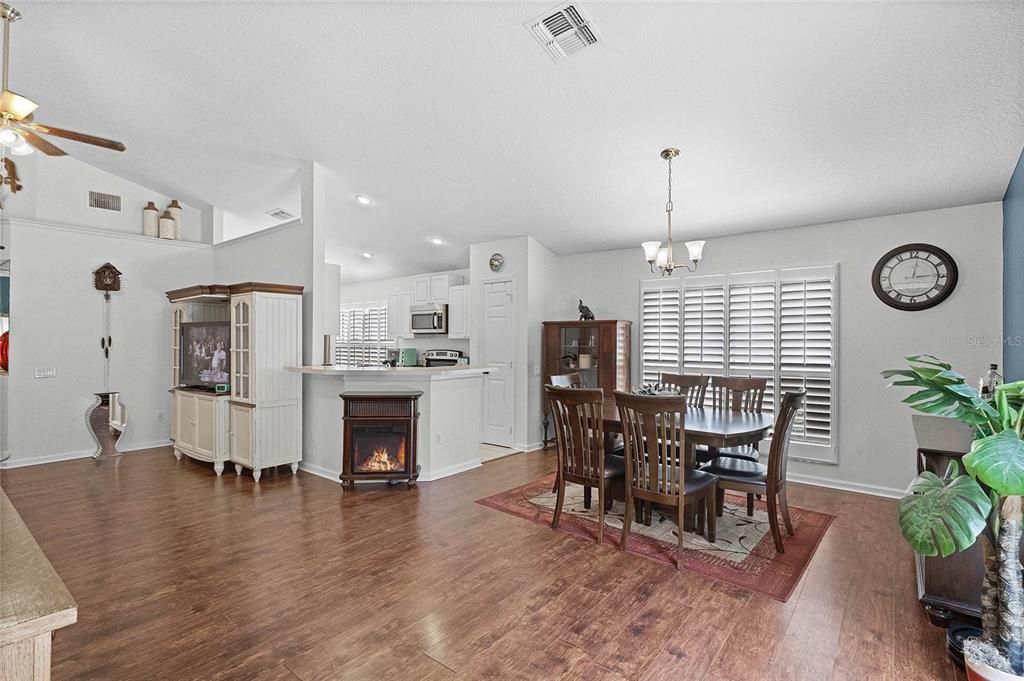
(381, 460)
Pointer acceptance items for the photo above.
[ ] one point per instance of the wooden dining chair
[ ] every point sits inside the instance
(751, 477)
(691, 386)
(740, 395)
(656, 473)
(580, 438)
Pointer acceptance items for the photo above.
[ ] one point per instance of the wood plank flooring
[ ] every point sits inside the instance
(181, 575)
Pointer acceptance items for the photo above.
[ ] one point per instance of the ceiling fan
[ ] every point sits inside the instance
(18, 131)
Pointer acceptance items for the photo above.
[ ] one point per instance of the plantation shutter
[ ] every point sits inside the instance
(364, 337)
(752, 329)
(704, 310)
(660, 318)
(806, 354)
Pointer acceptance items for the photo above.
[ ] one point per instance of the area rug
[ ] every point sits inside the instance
(743, 553)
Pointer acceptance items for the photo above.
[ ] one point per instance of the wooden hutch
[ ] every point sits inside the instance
(254, 420)
(598, 350)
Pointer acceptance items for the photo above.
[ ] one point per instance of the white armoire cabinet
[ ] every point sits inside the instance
(258, 423)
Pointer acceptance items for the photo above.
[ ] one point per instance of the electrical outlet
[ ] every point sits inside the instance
(46, 372)
(160, 416)
(536, 370)
(437, 438)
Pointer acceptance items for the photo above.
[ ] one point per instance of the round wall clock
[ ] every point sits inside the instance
(497, 262)
(914, 277)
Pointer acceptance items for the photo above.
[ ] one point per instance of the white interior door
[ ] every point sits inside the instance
(498, 350)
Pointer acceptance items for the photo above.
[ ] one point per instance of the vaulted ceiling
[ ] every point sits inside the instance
(458, 124)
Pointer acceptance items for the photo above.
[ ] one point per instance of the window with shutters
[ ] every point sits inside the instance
(659, 320)
(775, 324)
(364, 338)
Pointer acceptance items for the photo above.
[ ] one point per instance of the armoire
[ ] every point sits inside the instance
(255, 420)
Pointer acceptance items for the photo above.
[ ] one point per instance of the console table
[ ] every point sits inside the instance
(33, 601)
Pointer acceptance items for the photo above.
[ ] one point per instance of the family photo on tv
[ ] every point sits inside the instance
(205, 350)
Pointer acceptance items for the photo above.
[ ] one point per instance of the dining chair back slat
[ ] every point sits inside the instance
(692, 387)
(778, 455)
(738, 394)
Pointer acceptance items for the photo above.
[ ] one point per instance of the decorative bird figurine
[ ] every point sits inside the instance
(585, 314)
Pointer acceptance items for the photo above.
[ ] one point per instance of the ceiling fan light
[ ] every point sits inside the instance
(9, 138)
(23, 149)
(17, 106)
(651, 249)
(696, 249)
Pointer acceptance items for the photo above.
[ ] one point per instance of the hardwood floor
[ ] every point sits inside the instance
(181, 575)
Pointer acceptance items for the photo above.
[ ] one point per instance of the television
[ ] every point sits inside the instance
(205, 354)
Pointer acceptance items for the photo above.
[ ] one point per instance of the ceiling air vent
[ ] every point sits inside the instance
(105, 201)
(562, 31)
(280, 214)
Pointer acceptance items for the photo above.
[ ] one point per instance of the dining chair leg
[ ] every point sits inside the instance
(554, 487)
(648, 515)
(600, 513)
(681, 512)
(586, 497)
(558, 503)
(698, 527)
(719, 502)
(750, 504)
(773, 523)
(784, 504)
(709, 511)
(609, 499)
(627, 520)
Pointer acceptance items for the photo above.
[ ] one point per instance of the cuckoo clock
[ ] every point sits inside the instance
(107, 278)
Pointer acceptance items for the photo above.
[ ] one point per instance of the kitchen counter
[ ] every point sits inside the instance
(448, 430)
(456, 371)
(33, 600)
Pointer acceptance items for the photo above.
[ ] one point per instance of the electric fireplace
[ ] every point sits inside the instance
(380, 437)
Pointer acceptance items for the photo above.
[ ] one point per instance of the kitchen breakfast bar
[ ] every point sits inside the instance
(447, 433)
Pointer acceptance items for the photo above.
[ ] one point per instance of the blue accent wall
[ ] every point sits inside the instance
(1013, 275)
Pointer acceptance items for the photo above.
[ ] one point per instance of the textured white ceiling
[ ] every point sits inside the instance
(458, 124)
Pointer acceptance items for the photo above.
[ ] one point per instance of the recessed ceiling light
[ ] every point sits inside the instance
(366, 254)
(363, 200)
(436, 240)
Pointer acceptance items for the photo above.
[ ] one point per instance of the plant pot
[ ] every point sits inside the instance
(979, 671)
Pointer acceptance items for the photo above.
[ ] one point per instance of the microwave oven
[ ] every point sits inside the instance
(429, 319)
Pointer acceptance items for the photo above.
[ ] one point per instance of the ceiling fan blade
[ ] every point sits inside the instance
(41, 144)
(75, 136)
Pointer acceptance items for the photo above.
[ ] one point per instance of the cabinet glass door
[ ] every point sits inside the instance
(579, 351)
(241, 346)
(177, 317)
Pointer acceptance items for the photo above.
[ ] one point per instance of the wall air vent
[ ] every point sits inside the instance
(562, 31)
(105, 201)
(280, 214)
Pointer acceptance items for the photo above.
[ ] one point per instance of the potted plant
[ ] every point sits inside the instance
(940, 516)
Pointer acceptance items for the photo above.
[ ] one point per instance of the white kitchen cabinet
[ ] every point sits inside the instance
(201, 425)
(394, 316)
(421, 290)
(405, 314)
(432, 289)
(458, 312)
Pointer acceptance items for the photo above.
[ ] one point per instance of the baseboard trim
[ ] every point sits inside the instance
(144, 445)
(15, 462)
(860, 488)
(319, 471)
(451, 470)
(529, 447)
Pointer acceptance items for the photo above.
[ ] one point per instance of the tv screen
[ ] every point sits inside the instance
(205, 356)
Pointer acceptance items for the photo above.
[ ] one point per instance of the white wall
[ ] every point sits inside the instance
(57, 191)
(876, 444)
(56, 320)
(543, 289)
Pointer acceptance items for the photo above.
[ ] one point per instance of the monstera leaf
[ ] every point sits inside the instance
(944, 392)
(998, 461)
(940, 516)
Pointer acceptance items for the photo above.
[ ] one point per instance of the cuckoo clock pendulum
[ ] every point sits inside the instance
(107, 278)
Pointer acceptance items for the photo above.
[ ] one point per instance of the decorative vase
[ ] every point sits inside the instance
(979, 671)
(586, 361)
(150, 220)
(166, 226)
(175, 210)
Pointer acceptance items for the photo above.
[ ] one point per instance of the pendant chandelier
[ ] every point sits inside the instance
(661, 256)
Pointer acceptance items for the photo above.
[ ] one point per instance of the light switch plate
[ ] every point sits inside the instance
(46, 372)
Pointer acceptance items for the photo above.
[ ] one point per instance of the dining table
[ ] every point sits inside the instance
(715, 428)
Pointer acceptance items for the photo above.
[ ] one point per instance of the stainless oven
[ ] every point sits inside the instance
(429, 319)
(442, 358)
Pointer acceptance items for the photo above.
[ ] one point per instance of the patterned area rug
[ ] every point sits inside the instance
(743, 553)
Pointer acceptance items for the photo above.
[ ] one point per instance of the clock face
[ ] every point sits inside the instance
(497, 262)
(914, 277)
